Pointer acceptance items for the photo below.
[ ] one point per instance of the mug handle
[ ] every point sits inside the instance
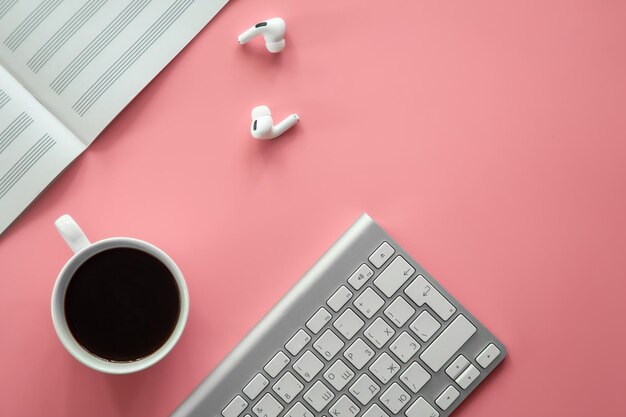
(71, 233)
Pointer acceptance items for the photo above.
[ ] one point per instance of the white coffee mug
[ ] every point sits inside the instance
(83, 250)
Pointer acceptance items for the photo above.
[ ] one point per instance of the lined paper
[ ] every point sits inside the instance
(86, 59)
(67, 68)
(34, 148)
(65, 32)
(14, 129)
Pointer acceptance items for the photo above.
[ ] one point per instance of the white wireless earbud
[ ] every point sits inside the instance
(273, 30)
(263, 125)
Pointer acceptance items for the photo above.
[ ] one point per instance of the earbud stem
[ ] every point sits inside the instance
(287, 123)
(248, 35)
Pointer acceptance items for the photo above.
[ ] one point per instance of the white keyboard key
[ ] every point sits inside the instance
(395, 398)
(375, 411)
(384, 368)
(348, 324)
(299, 410)
(344, 407)
(339, 375)
(276, 364)
(360, 277)
(415, 377)
(422, 292)
(447, 398)
(339, 298)
(319, 396)
(235, 407)
(318, 320)
(254, 387)
(297, 342)
(394, 276)
(328, 344)
(404, 347)
(448, 343)
(425, 326)
(288, 387)
(399, 312)
(308, 366)
(379, 332)
(364, 389)
(359, 353)
(369, 303)
(268, 407)
(468, 376)
(457, 367)
(380, 255)
(421, 408)
(488, 355)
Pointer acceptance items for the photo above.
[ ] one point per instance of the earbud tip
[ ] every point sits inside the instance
(259, 111)
(275, 47)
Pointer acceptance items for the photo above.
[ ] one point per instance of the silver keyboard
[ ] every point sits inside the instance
(366, 332)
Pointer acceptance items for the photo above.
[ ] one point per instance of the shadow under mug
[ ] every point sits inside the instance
(83, 250)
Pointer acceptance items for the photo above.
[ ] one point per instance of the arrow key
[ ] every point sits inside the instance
(447, 398)
(488, 355)
(468, 376)
(456, 367)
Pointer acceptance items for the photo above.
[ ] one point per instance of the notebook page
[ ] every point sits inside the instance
(34, 148)
(85, 60)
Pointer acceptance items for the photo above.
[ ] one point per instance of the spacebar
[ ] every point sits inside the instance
(448, 342)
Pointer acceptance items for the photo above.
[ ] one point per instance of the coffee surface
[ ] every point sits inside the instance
(122, 304)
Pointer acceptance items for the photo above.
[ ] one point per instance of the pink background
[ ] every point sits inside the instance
(489, 138)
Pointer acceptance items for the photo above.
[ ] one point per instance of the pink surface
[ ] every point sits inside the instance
(488, 138)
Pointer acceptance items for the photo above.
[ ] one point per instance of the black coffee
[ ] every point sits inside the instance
(122, 304)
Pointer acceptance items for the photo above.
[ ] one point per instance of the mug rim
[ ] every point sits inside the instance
(58, 307)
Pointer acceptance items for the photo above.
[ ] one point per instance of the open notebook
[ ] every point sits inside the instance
(67, 68)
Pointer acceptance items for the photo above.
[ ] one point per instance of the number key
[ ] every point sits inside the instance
(328, 344)
(308, 366)
(288, 387)
(268, 407)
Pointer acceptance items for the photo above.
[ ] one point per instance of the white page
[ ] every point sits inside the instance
(86, 59)
(34, 148)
